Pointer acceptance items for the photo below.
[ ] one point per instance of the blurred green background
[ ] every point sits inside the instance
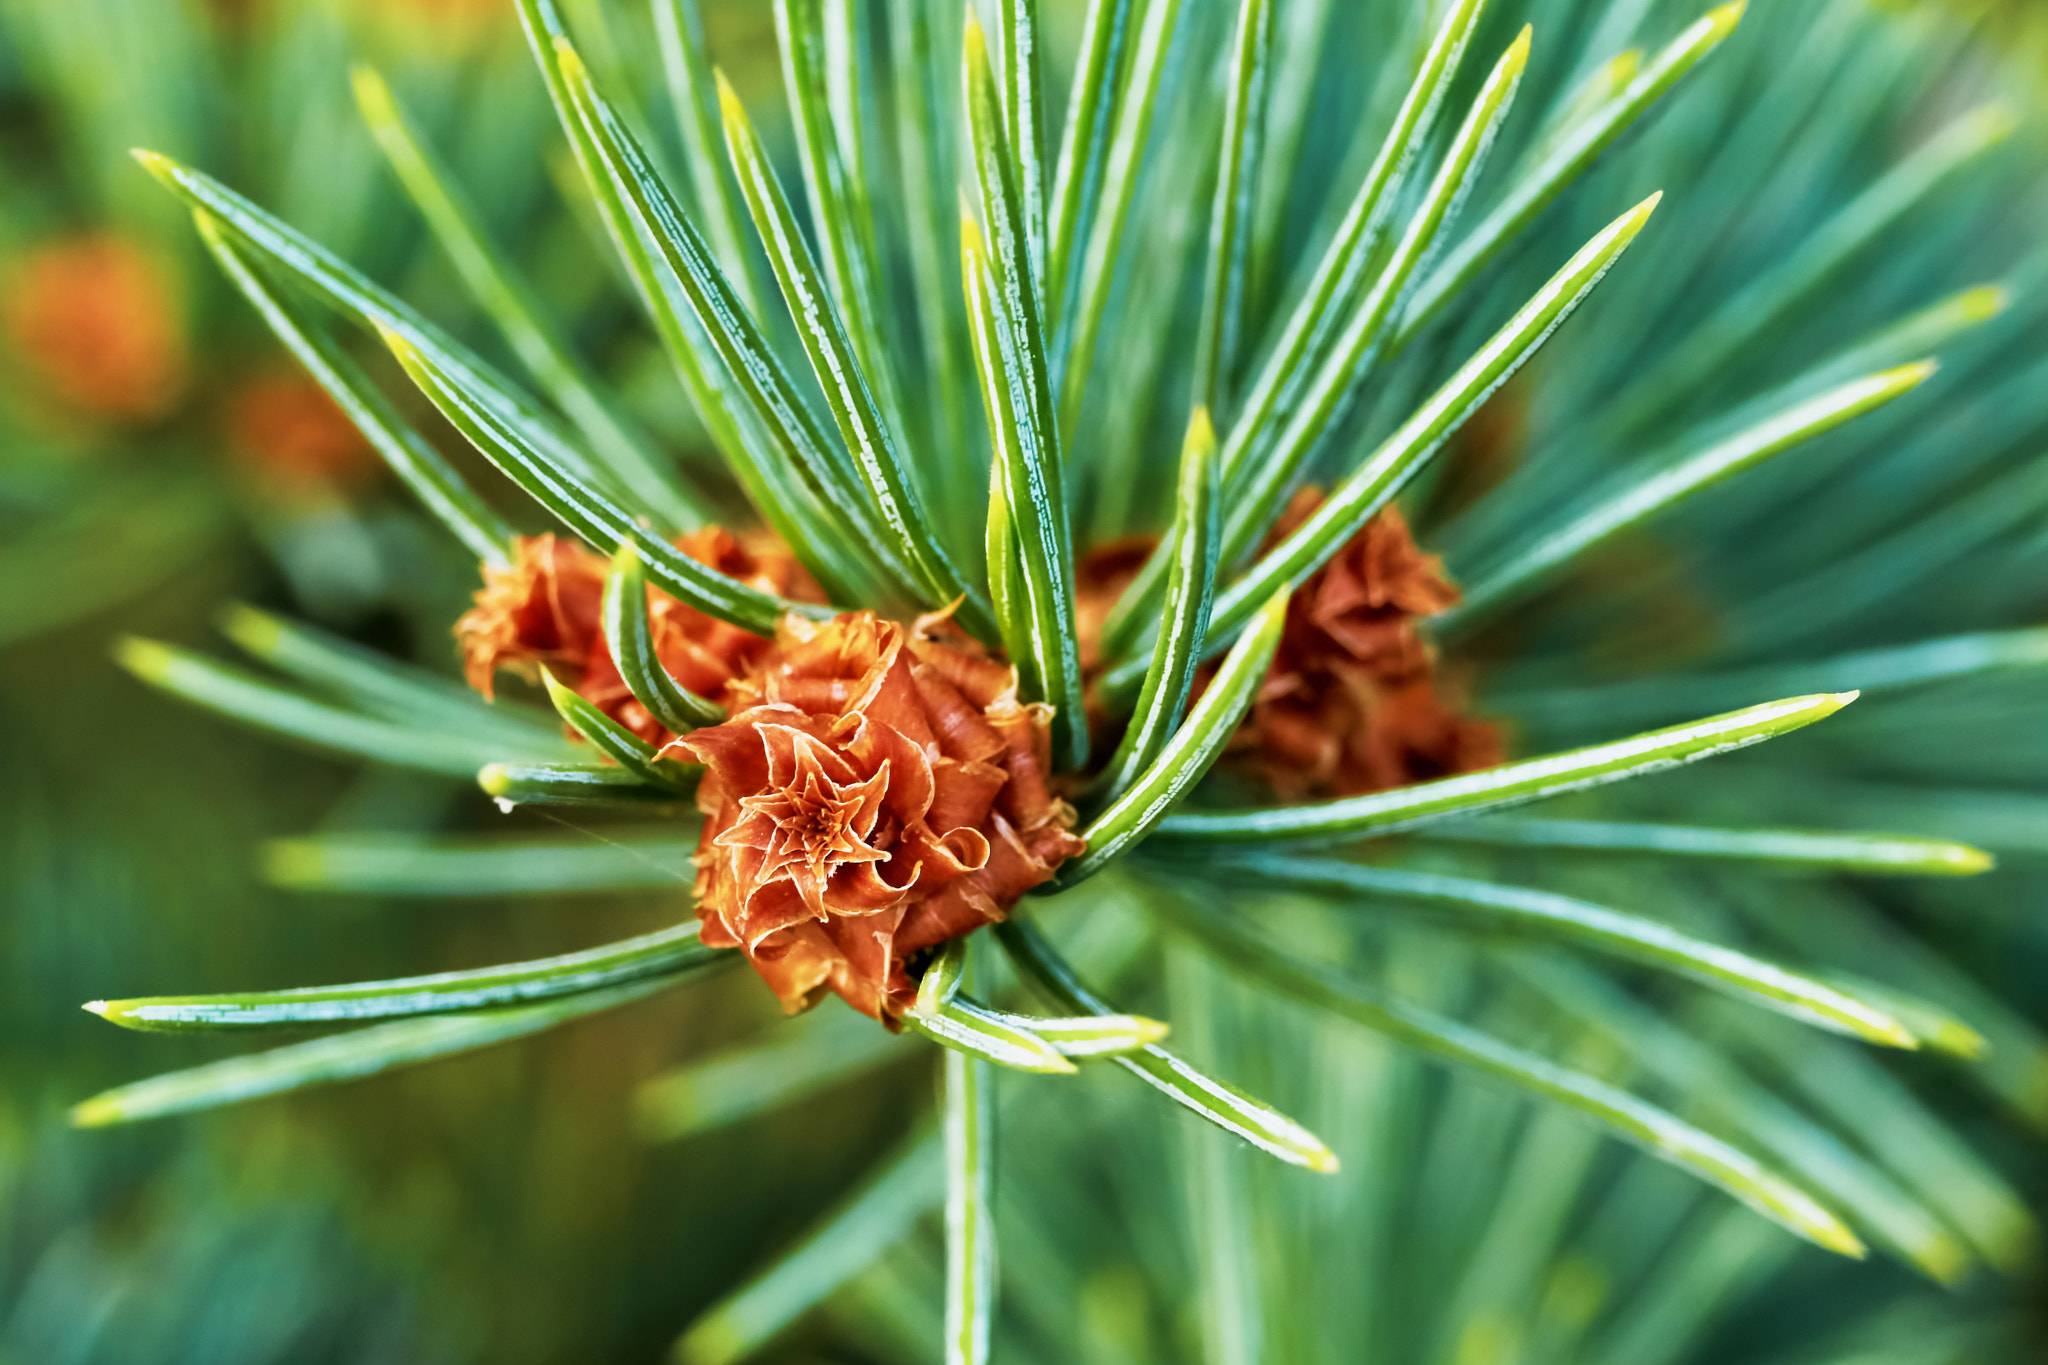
(159, 459)
(162, 458)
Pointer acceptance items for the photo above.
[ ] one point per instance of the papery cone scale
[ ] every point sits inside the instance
(545, 611)
(1352, 703)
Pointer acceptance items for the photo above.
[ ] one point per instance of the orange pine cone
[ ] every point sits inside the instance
(1351, 704)
(545, 611)
(878, 790)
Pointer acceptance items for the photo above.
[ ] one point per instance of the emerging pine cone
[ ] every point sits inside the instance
(292, 435)
(879, 790)
(542, 611)
(1352, 703)
(93, 318)
(538, 612)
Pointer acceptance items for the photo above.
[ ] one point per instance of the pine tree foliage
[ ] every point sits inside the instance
(1550, 289)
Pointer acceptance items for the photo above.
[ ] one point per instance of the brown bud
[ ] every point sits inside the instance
(878, 790)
